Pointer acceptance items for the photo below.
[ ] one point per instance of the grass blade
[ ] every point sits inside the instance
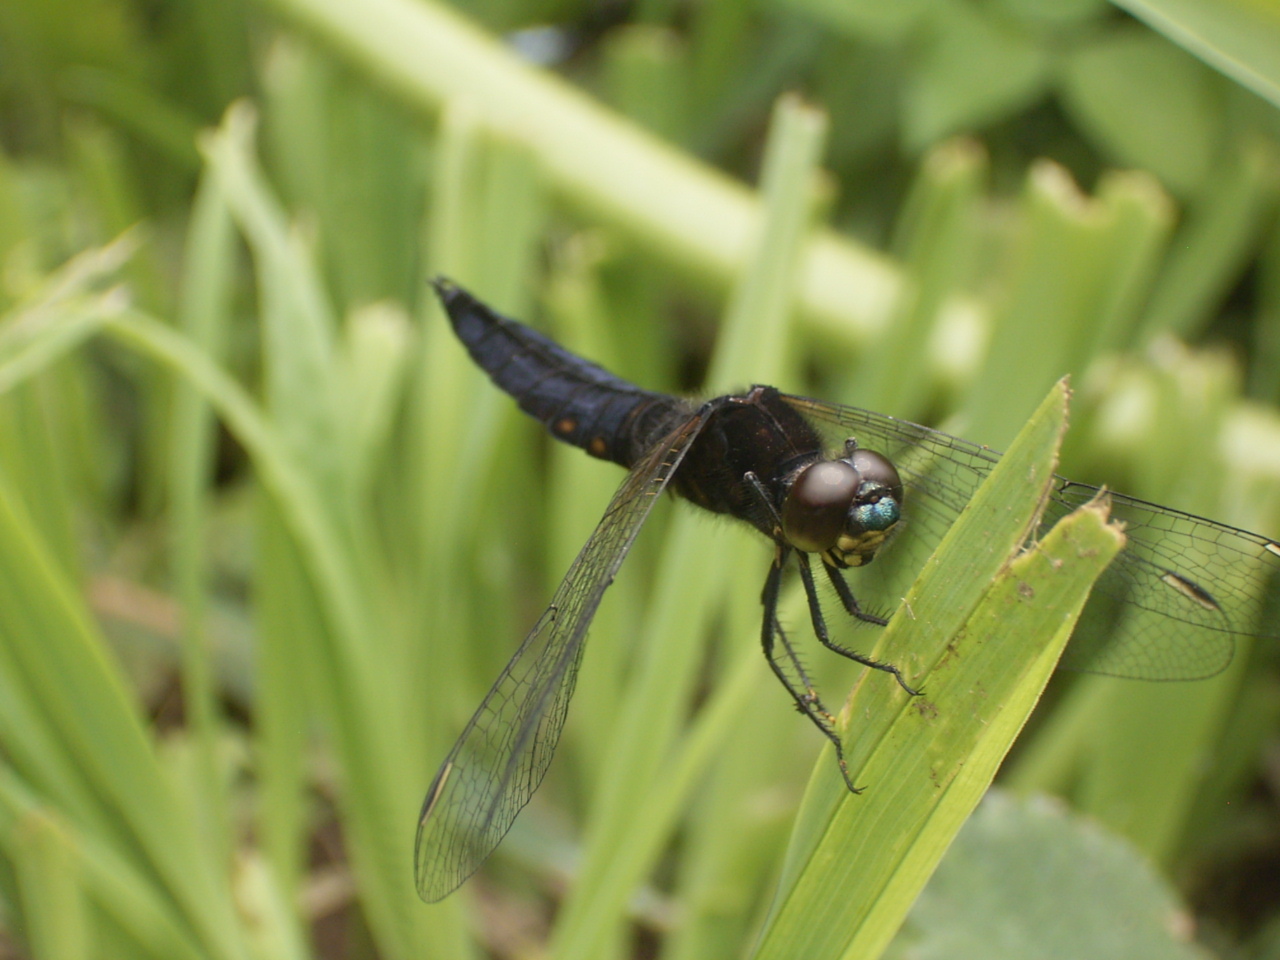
(857, 863)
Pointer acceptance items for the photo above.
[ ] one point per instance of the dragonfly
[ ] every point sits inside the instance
(832, 487)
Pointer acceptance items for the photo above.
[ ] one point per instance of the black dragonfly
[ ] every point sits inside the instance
(829, 485)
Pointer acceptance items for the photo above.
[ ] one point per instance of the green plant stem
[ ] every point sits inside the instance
(693, 217)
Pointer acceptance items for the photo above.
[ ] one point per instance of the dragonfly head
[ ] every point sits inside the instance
(843, 509)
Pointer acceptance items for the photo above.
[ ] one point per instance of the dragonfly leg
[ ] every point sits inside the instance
(851, 605)
(765, 509)
(847, 598)
(806, 699)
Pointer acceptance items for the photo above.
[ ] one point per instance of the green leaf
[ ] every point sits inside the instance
(77, 704)
(984, 649)
(372, 366)
(1054, 13)
(976, 69)
(116, 885)
(57, 927)
(1026, 880)
(298, 326)
(937, 239)
(1239, 37)
(1147, 104)
(351, 672)
(866, 19)
(1078, 268)
(1215, 242)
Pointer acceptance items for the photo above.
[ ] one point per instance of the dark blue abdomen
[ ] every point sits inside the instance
(578, 401)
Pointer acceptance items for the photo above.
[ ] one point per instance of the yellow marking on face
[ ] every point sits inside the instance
(864, 543)
(1191, 591)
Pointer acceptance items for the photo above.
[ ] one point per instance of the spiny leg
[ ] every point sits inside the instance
(850, 602)
(811, 692)
(767, 511)
(807, 700)
(851, 605)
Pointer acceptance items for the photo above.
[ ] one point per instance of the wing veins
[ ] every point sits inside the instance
(503, 752)
(1228, 564)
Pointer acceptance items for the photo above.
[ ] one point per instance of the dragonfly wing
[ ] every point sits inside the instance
(506, 747)
(1167, 608)
(1186, 586)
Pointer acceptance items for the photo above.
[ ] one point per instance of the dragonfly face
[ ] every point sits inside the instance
(823, 481)
(843, 509)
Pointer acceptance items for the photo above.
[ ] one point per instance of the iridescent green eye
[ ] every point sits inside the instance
(880, 515)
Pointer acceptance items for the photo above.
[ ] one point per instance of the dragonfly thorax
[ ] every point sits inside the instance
(843, 509)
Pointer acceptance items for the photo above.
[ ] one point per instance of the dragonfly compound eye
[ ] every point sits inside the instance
(877, 470)
(814, 511)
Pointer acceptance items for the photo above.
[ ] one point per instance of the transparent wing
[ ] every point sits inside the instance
(1184, 587)
(1167, 608)
(502, 755)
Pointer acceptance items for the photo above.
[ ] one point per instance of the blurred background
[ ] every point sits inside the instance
(266, 536)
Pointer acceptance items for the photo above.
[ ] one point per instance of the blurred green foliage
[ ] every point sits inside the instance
(266, 535)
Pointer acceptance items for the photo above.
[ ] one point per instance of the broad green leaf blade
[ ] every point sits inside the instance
(987, 544)
(975, 68)
(988, 646)
(1028, 880)
(1239, 37)
(1147, 103)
